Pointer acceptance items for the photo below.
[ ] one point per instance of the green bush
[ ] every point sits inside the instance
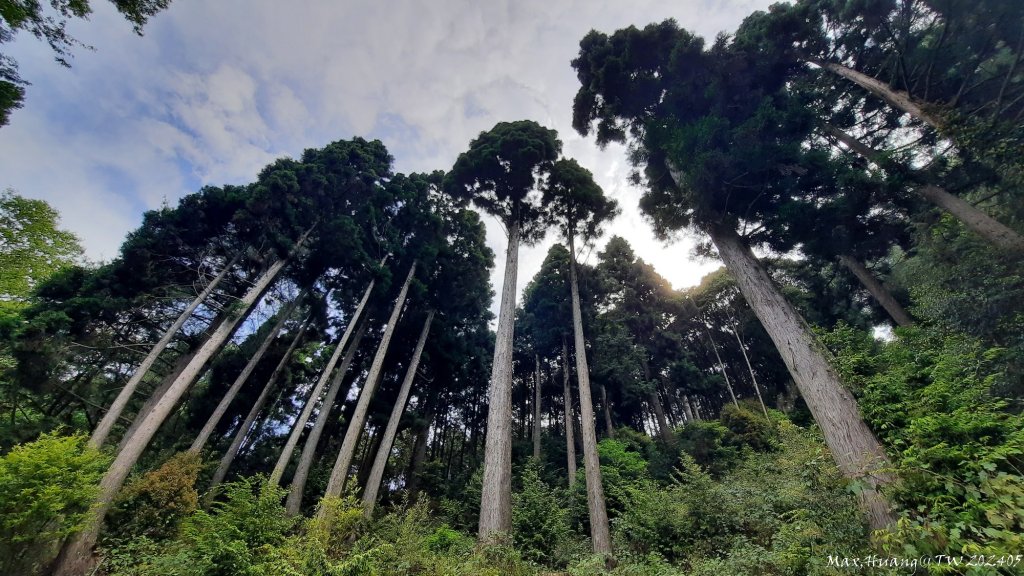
(749, 426)
(540, 523)
(155, 504)
(46, 490)
(711, 445)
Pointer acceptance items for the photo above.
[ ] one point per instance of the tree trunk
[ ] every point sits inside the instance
(688, 412)
(496, 490)
(419, 456)
(721, 366)
(753, 378)
(307, 409)
(536, 407)
(388, 438)
(990, 229)
(855, 449)
(599, 532)
(607, 409)
(355, 427)
(236, 443)
(881, 295)
(895, 98)
(570, 441)
(99, 435)
(298, 487)
(76, 555)
(243, 376)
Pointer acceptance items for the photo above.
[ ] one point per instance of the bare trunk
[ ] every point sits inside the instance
(570, 442)
(721, 367)
(536, 407)
(419, 455)
(687, 411)
(298, 486)
(895, 98)
(307, 409)
(881, 295)
(599, 532)
(607, 409)
(387, 441)
(76, 554)
(496, 491)
(236, 443)
(753, 378)
(243, 377)
(977, 221)
(355, 427)
(99, 435)
(855, 449)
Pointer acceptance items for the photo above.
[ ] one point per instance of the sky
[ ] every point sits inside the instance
(214, 91)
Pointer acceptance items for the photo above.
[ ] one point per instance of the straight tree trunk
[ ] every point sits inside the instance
(243, 377)
(725, 374)
(536, 407)
(607, 409)
(298, 487)
(855, 449)
(76, 555)
(895, 98)
(656, 407)
(688, 412)
(496, 491)
(753, 378)
(307, 409)
(881, 295)
(599, 532)
(975, 220)
(388, 438)
(99, 435)
(570, 442)
(355, 427)
(236, 443)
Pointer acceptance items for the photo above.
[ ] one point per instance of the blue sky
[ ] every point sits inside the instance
(216, 90)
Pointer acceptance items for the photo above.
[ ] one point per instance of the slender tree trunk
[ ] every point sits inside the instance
(974, 219)
(536, 407)
(99, 435)
(388, 438)
(725, 374)
(76, 555)
(688, 412)
(854, 448)
(236, 443)
(655, 403)
(370, 445)
(298, 486)
(895, 98)
(419, 456)
(607, 409)
(753, 378)
(570, 442)
(881, 295)
(355, 427)
(599, 532)
(243, 377)
(496, 491)
(307, 409)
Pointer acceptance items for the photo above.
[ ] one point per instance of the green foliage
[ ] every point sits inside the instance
(540, 523)
(711, 445)
(749, 426)
(46, 490)
(154, 504)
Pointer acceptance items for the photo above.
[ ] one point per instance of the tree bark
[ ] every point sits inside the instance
(855, 449)
(99, 435)
(881, 295)
(607, 409)
(721, 367)
(895, 98)
(355, 427)
(990, 229)
(570, 442)
(496, 491)
(236, 443)
(599, 532)
(76, 554)
(753, 378)
(243, 377)
(687, 411)
(388, 438)
(307, 409)
(298, 486)
(536, 407)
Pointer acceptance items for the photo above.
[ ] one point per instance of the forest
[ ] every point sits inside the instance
(303, 375)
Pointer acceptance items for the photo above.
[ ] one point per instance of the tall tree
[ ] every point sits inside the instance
(497, 174)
